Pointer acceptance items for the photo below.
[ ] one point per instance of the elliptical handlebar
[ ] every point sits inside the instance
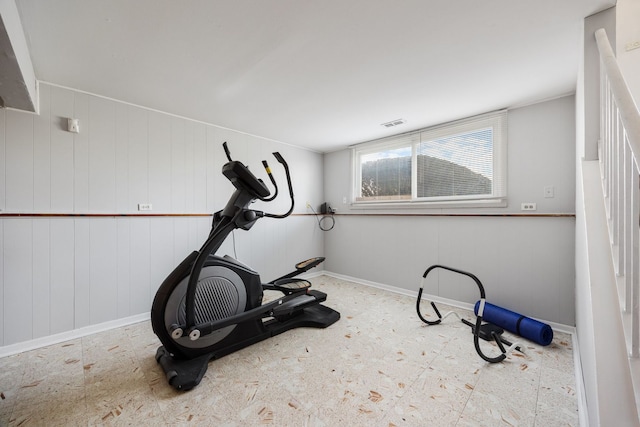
(235, 215)
(226, 151)
(284, 164)
(244, 180)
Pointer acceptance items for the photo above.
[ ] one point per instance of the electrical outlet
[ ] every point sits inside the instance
(528, 206)
(145, 206)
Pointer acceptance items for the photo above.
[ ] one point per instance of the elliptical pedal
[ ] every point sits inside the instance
(294, 305)
(291, 285)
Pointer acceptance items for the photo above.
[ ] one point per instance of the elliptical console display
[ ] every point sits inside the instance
(210, 306)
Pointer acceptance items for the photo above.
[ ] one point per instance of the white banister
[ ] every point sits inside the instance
(618, 154)
(628, 112)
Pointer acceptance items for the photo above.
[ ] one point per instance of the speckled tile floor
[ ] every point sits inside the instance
(378, 366)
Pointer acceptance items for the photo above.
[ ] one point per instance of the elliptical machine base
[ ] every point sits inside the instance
(185, 374)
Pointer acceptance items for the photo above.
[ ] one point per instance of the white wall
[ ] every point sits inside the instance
(59, 273)
(525, 263)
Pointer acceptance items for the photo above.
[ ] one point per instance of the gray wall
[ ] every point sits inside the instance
(59, 273)
(526, 263)
(63, 273)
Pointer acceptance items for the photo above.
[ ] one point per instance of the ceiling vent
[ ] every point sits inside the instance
(393, 123)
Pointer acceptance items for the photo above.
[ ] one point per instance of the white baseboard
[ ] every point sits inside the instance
(33, 344)
(20, 347)
(583, 418)
(458, 304)
(92, 329)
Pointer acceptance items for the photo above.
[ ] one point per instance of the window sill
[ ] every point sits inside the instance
(444, 204)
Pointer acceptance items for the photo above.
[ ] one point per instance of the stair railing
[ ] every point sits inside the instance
(619, 148)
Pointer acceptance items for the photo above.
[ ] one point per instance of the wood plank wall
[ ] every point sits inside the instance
(59, 273)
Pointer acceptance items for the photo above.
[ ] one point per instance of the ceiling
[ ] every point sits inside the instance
(315, 74)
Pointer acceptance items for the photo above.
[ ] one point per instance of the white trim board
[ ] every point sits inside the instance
(580, 391)
(101, 327)
(465, 306)
(23, 346)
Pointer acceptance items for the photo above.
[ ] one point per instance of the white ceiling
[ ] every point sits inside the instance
(318, 74)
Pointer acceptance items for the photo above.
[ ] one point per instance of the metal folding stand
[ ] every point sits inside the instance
(486, 331)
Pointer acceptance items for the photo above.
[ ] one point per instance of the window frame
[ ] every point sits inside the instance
(496, 120)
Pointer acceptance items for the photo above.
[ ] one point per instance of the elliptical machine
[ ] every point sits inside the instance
(210, 306)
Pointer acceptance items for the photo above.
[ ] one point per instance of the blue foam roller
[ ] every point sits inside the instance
(526, 327)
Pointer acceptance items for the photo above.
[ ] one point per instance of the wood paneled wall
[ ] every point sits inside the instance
(60, 273)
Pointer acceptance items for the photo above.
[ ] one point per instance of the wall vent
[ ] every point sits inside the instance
(393, 123)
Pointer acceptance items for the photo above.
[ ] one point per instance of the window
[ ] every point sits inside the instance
(463, 162)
